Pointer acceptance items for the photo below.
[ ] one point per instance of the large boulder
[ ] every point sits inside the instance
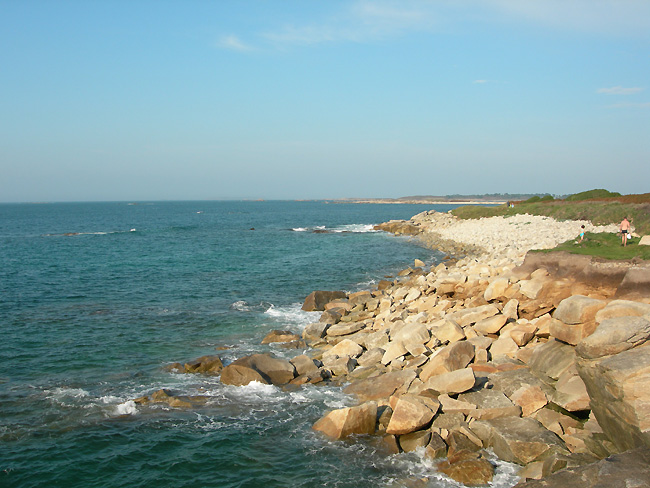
(343, 422)
(520, 440)
(454, 382)
(345, 348)
(411, 413)
(472, 315)
(382, 386)
(490, 404)
(629, 469)
(615, 335)
(263, 368)
(619, 389)
(211, 365)
(622, 308)
(316, 300)
(578, 309)
(468, 468)
(552, 359)
(450, 358)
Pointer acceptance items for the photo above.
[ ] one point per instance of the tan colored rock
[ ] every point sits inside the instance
(490, 325)
(436, 447)
(504, 346)
(613, 336)
(496, 289)
(411, 413)
(552, 358)
(314, 332)
(382, 386)
(371, 357)
(345, 348)
(452, 406)
(570, 333)
(530, 399)
(449, 358)
(531, 288)
(490, 404)
(511, 309)
(413, 334)
(339, 365)
(280, 336)
(317, 299)
(447, 330)
(304, 365)
(571, 393)
(622, 308)
(468, 470)
(414, 440)
(344, 328)
(578, 309)
(343, 422)
(263, 368)
(454, 382)
(619, 389)
(522, 334)
(472, 315)
(394, 350)
(205, 364)
(522, 440)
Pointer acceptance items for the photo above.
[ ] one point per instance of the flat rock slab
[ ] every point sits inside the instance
(578, 309)
(317, 300)
(382, 386)
(625, 470)
(613, 336)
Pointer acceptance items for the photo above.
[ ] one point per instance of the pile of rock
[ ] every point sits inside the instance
(484, 354)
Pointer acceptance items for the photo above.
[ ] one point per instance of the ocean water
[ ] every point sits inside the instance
(96, 298)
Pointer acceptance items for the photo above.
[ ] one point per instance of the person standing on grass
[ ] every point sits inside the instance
(625, 230)
(582, 233)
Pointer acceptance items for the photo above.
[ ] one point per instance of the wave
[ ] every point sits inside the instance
(244, 306)
(293, 315)
(101, 233)
(341, 229)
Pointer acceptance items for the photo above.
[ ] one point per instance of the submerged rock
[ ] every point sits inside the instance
(263, 368)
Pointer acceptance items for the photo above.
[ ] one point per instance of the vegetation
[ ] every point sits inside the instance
(591, 195)
(609, 210)
(605, 245)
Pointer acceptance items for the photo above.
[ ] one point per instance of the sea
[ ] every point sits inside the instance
(97, 298)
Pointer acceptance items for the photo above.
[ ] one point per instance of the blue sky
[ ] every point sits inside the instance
(169, 100)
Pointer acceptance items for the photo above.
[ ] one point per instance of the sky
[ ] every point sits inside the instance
(139, 100)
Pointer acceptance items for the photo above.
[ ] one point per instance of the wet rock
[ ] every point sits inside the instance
(468, 468)
(211, 365)
(263, 368)
(411, 413)
(629, 469)
(344, 422)
(437, 447)
(280, 336)
(316, 300)
(410, 442)
(521, 440)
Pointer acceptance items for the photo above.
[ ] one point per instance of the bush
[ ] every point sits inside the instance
(547, 198)
(534, 199)
(591, 194)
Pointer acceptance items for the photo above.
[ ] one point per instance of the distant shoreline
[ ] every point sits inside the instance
(424, 202)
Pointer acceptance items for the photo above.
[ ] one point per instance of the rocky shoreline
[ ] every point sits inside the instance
(487, 350)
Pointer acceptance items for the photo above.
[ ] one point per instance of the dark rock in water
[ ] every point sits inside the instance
(167, 397)
(628, 469)
(205, 364)
(316, 300)
(320, 231)
(263, 368)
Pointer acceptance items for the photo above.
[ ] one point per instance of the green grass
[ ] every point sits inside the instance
(604, 245)
(591, 194)
(597, 212)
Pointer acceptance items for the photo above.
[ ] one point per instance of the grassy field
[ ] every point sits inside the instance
(607, 246)
(599, 212)
(598, 206)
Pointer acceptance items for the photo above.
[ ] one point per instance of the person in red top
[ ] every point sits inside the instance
(625, 230)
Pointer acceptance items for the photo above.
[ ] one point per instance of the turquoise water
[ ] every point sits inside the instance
(96, 298)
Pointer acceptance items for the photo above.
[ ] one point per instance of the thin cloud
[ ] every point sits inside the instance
(644, 105)
(233, 43)
(364, 21)
(620, 90)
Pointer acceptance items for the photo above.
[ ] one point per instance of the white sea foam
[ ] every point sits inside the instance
(126, 408)
(355, 228)
(299, 229)
(292, 315)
